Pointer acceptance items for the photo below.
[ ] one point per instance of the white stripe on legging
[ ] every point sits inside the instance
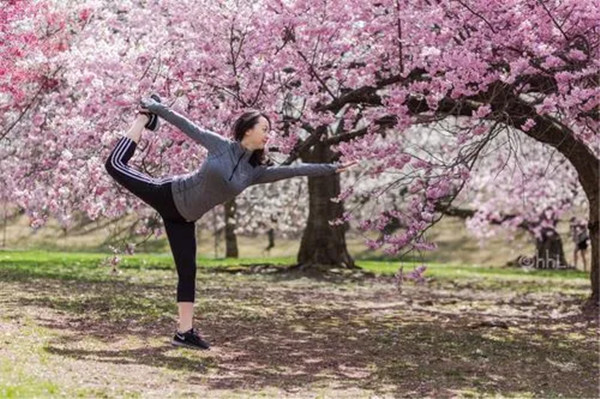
(119, 165)
(126, 168)
(118, 153)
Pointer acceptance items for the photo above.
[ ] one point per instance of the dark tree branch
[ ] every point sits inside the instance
(463, 213)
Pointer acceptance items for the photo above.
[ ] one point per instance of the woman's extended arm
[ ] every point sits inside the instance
(212, 141)
(273, 173)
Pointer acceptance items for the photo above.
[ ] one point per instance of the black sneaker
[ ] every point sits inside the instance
(190, 339)
(152, 124)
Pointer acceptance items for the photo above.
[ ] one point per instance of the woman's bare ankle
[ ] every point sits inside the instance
(142, 118)
(183, 329)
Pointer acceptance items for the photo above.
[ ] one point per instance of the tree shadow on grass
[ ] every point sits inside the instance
(163, 356)
(290, 272)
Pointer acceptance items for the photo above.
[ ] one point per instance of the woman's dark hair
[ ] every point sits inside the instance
(245, 122)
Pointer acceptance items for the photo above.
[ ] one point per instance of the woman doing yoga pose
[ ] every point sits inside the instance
(229, 168)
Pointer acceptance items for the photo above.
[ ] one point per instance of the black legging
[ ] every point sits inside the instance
(157, 193)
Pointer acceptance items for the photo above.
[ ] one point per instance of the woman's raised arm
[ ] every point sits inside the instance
(273, 173)
(212, 141)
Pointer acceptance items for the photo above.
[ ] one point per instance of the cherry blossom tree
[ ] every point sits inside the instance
(31, 32)
(485, 67)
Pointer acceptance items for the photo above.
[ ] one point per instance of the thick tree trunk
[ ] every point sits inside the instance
(231, 247)
(595, 240)
(323, 245)
(549, 251)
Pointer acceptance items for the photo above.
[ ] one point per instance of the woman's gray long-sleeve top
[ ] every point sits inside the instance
(226, 171)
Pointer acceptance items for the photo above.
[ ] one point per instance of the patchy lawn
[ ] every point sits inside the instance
(68, 327)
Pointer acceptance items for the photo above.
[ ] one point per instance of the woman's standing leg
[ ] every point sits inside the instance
(182, 239)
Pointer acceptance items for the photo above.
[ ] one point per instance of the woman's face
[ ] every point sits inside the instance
(259, 134)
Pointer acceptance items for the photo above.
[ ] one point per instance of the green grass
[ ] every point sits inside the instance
(456, 271)
(88, 267)
(17, 383)
(75, 264)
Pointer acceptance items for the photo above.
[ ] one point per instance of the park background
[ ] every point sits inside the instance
(81, 316)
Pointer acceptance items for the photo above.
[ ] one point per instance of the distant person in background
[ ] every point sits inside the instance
(580, 236)
(270, 234)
